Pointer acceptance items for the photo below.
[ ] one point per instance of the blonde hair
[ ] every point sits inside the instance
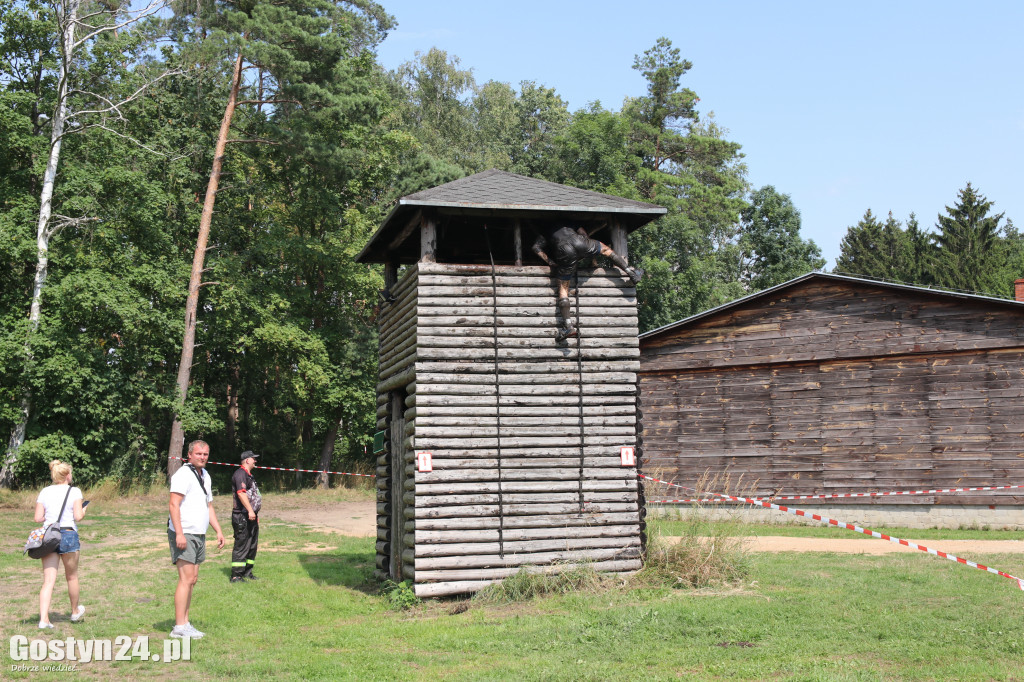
(59, 471)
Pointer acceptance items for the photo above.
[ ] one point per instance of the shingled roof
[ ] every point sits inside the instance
(495, 192)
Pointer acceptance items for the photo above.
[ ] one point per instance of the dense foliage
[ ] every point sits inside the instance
(323, 141)
(970, 250)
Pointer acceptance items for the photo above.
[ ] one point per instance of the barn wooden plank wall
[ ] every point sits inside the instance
(486, 370)
(836, 388)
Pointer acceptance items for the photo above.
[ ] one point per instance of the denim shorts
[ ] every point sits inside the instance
(68, 542)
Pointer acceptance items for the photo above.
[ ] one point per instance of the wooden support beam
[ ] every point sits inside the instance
(428, 240)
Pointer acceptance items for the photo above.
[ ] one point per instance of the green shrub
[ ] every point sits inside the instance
(33, 466)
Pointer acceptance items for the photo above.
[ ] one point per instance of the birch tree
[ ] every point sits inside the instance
(79, 26)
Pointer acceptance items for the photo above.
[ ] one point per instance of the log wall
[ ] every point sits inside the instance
(524, 433)
(833, 387)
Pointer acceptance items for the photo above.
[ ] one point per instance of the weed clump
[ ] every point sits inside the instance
(401, 596)
(530, 583)
(705, 554)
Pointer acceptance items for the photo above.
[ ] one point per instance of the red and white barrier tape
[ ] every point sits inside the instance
(308, 471)
(880, 494)
(849, 526)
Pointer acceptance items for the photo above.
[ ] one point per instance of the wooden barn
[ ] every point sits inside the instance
(831, 384)
(499, 448)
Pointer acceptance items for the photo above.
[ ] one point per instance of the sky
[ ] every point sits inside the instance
(893, 106)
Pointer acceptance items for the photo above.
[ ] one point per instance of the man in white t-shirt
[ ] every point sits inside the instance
(191, 511)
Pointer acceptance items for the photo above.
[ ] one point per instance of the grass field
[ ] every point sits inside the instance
(317, 614)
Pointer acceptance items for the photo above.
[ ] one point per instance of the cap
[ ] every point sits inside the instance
(249, 453)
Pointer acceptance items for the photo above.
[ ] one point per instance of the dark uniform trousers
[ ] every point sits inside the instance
(247, 535)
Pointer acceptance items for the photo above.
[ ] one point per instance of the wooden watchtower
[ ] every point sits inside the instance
(497, 447)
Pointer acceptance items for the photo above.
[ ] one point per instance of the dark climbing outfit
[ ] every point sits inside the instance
(566, 247)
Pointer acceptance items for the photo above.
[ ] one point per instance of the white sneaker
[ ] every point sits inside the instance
(180, 631)
(194, 634)
(77, 615)
(45, 626)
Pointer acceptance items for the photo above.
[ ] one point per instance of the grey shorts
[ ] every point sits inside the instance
(195, 548)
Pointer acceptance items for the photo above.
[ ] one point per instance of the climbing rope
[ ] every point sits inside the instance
(497, 390)
(579, 383)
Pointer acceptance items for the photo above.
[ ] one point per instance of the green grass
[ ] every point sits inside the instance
(317, 614)
(674, 526)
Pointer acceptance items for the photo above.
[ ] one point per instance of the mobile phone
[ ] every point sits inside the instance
(85, 503)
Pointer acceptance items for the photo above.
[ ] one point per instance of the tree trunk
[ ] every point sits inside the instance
(323, 479)
(195, 281)
(43, 235)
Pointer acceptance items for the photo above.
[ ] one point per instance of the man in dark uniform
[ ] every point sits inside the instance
(243, 519)
(567, 248)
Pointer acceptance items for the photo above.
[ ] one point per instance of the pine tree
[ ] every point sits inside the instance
(967, 256)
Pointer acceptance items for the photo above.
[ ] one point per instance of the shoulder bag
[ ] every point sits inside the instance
(46, 540)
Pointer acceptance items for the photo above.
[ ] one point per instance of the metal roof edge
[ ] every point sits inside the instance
(832, 276)
(654, 210)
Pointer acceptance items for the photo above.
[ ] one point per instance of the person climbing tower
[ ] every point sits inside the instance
(568, 247)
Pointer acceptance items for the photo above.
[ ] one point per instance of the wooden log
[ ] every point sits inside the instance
(569, 429)
(525, 559)
(525, 547)
(568, 472)
(431, 305)
(476, 409)
(414, 222)
(483, 338)
(435, 403)
(444, 382)
(463, 576)
(512, 486)
(517, 318)
(397, 380)
(555, 521)
(561, 369)
(428, 239)
(562, 353)
(511, 499)
(592, 510)
(514, 416)
(532, 289)
(438, 443)
(431, 537)
(531, 331)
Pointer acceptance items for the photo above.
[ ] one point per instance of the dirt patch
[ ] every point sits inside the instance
(357, 519)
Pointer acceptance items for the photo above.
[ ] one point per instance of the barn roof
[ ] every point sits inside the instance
(500, 193)
(823, 276)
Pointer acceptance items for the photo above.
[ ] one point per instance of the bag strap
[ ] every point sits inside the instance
(200, 477)
(61, 512)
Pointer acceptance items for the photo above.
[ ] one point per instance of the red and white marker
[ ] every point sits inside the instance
(424, 462)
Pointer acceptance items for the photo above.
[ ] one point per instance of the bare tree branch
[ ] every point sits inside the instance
(116, 107)
(133, 16)
(130, 139)
(59, 222)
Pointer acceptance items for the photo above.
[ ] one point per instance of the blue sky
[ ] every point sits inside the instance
(891, 106)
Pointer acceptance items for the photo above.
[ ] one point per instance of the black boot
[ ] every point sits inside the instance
(567, 329)
(566, 332)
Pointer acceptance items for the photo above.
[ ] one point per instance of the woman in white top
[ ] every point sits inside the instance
(48, 505)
